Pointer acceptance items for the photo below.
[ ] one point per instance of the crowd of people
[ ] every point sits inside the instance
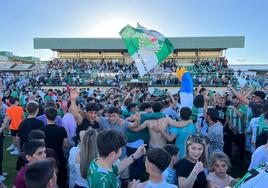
(128, 137)
(103, 73)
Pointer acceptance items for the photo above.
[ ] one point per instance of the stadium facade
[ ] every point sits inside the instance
(114, 48)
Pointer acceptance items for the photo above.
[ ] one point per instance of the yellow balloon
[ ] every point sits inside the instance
(180, 72)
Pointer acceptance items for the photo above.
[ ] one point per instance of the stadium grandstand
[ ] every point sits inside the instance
(13, 63)
(105, 61)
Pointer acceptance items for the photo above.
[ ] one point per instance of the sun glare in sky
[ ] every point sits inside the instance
(108, 28)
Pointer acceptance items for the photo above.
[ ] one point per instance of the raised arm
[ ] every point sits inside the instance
(173, 101)
(128, 161)
(238, 95)
(74, 108)
(140, 127)
(178, 124)
(133, 125)
(133, 117)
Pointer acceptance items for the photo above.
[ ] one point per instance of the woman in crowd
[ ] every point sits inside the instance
(72, 159)
(89, 152)
(190, 169)
(80, 159)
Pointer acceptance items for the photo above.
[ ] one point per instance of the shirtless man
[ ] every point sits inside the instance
(156, 138)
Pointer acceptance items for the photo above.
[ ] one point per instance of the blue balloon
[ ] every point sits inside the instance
(187, 84)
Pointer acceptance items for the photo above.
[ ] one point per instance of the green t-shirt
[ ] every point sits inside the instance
(101, 177)
(14, 94)
(60, 112)
(239, 123)
(48, 98)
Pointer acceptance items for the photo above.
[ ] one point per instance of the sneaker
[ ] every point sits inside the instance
(11, 147)
(15, 152)
(2, 178)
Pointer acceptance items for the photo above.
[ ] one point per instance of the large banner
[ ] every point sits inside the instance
(148, 48)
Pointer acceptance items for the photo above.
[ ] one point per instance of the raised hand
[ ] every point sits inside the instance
(199, 167)
(140, 151)
(74, 94)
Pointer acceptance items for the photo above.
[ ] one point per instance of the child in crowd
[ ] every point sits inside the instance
(169, 175)
(157, 160)
(219, 165)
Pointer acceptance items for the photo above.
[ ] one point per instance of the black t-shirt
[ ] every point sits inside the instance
(222, 113)
(85, 125)
(26, 126)
(54, 139)
(185, 167)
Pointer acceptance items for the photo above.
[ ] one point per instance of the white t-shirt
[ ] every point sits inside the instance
(253, 129)
(71, 163)
(259, 157)
(162, 184)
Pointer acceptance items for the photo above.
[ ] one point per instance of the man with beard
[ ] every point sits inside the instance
(256, 102)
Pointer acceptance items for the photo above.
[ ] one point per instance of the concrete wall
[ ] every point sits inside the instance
(151, 88)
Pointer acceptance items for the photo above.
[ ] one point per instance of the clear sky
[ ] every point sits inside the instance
(22, 20)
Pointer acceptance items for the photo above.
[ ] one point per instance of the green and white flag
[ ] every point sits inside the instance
(148, 48)
(257, 178)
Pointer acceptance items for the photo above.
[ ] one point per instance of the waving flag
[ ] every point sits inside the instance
(257, 178)
(148, 48)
